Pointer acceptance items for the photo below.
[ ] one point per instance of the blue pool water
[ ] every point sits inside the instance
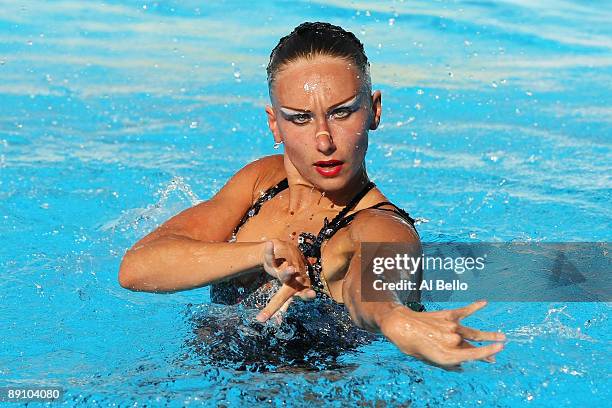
(114, 116)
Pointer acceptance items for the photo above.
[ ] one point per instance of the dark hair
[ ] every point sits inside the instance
(309, 40)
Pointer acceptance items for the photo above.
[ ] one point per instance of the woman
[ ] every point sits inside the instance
(274, 215)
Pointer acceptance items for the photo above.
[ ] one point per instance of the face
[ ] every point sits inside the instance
(322, 114)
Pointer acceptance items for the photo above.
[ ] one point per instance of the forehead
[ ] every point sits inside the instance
(331, 78)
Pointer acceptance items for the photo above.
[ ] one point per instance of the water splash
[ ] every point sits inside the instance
(552, 326)
(141, 219)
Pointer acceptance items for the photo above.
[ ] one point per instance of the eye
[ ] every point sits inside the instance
(342, 113)
(300, 119)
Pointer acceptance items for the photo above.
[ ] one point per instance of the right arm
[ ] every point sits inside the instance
(190, 250)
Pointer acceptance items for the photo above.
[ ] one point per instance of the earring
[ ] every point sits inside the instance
(277, 144)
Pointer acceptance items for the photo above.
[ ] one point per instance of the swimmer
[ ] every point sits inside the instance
(291, 225)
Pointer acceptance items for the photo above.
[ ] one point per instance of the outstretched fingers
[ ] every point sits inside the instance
(276, 302)
(479, 335)
(485, 353)
(465, 344)
(465, 311)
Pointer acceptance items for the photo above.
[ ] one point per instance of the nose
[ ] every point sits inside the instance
(325, 142)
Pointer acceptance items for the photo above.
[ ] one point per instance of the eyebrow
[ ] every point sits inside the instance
(344, 104)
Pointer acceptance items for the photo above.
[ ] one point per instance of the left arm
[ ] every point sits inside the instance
(436, 337)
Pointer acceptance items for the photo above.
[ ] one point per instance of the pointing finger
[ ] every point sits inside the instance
(464, 312)
(478, 335)
(275, 303)
(476, 353)
(464, 344)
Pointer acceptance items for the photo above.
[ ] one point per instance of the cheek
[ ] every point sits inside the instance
(296, 145)
(353, 135)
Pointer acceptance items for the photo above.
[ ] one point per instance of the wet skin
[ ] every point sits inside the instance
(321, 114)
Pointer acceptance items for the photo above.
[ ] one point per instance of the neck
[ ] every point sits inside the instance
(305, 195)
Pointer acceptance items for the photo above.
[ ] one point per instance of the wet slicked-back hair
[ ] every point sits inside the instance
(309, 40)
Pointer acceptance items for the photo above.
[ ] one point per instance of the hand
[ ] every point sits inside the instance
(284, 261)
(438, 338)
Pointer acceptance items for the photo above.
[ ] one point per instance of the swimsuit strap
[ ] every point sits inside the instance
(396, 210)
(254, 209)
(310, 245)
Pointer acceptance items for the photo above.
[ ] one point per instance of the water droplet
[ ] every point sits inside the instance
(450, 74)
(416, 162)
(417, 106)
(236, 73)
(528, 93)
(467, 43)
(30, 42)
(193, 125)
(473, 235)
(420, 92)
(494, 84)
(391, 21)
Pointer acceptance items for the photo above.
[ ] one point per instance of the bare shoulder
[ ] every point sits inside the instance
(377, 225)
(253, 178)
(213, 220)
(270, 170)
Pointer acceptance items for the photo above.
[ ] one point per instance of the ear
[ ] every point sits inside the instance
(273, 124)
(376, 110)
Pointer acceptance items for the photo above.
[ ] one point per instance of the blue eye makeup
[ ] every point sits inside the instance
(340, 112)
(298, 119)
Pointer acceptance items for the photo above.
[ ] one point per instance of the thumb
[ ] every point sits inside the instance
(268, 257)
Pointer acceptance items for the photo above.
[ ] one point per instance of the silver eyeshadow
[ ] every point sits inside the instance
(352, 105)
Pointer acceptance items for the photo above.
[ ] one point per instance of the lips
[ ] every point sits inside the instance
(329, 168)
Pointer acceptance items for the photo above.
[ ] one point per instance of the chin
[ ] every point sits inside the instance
(332, 184)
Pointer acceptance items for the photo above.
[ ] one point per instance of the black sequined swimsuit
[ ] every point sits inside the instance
(232, 291)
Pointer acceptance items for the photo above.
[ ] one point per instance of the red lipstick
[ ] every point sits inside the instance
(329, 168)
